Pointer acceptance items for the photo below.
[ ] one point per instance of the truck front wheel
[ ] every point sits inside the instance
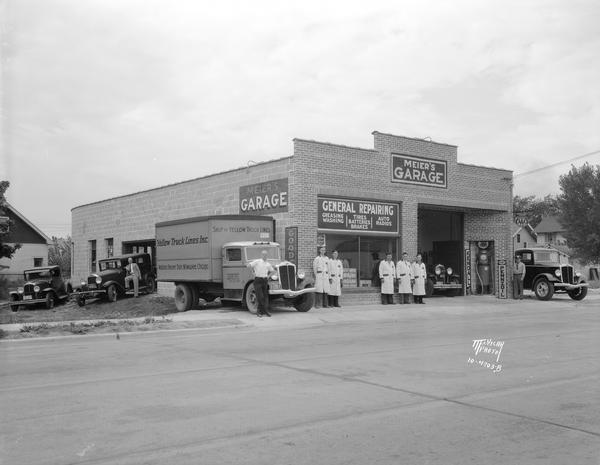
(183, 297)
(305, 302)
(250, 300)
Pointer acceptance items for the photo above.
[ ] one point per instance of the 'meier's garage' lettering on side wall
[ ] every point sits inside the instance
(418, 170)
(264, 198)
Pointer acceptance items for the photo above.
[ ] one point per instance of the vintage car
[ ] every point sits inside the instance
(545, 274)
(443, 280)
(43, 285)
(109, 282)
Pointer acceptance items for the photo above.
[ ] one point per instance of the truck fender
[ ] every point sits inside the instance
(548, 276)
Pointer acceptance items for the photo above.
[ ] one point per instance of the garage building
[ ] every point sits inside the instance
(405, 194)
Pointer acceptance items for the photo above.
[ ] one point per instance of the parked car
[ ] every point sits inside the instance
(443, 280)
(546, 275)
(43, 285)
(109, 282)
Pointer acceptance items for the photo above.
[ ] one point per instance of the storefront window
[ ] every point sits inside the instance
(360, 256)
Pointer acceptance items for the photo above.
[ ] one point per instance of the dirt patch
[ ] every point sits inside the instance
(151, 305)
(145, 313)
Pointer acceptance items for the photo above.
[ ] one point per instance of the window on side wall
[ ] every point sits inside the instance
(38, 261)
(92, 245)
(109, 247)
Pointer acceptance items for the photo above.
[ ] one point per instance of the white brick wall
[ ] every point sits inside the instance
(316, 168)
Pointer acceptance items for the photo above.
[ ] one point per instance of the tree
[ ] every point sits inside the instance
(535, 209)
(580, 211)
(59, 253)
(6, 250)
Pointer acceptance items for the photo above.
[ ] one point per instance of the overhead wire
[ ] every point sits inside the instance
(556, 164)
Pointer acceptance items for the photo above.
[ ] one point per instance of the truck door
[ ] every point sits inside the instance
(235, 272)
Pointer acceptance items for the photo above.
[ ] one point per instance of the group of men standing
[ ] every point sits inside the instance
(329, 275)
(410, 277)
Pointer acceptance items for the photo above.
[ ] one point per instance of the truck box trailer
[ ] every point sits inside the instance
(207, 257)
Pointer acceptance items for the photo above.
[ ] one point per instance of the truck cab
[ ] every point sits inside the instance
(285, 283)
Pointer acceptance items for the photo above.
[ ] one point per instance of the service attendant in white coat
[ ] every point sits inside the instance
(404, 273)
(420, 276)
(387, 275)
(336, 273)
(321, 271)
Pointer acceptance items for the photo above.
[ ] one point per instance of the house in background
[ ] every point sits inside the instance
(34, 246)
(551, 232)
(523, 236)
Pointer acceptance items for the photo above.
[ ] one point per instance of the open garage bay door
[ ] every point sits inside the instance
(440, 241)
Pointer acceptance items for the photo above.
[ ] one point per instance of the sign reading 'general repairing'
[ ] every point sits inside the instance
(418, 170)
(357, 215)
(264, 198)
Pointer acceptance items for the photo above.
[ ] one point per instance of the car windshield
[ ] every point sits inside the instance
(31, 275)
(110, 265)
(252, 253)
(549, 256)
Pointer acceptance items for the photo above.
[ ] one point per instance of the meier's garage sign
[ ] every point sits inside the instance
(357, 215)
(419, 170)
(264, 198)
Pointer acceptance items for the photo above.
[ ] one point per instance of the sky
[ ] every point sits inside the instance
(101, 98)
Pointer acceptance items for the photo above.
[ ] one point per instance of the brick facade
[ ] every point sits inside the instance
(483, 195)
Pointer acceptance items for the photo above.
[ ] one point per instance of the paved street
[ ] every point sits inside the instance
(379, 385)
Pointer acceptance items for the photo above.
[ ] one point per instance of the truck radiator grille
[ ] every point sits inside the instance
(28, 289)
(287, 277)
(91, 280)
(567, 274)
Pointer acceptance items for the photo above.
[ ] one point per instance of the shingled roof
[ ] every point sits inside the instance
(549, 224)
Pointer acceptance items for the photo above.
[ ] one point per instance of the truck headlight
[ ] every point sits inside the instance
(578, 274)
(20, 290)
(557, 273)
(301, 275)
(83, 283)
(36, 288)
(274, 277)
(449, 270)
(98, 279)
(438, 270)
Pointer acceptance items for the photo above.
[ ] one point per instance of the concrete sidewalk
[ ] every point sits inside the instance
(216, 317)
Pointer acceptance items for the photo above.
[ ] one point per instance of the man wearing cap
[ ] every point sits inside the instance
(336, 273)
(405, 279)
(387, 275)
(518, 278)
(321, 271)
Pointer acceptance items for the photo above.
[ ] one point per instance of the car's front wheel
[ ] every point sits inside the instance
(81, 300)
(578, 294)
(111, 293)
(544, 289)
(49, 300)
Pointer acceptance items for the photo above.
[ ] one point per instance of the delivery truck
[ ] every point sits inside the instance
(207, 257)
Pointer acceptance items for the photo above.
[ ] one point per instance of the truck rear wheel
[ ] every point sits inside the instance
(304, 302)
(183, 297)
